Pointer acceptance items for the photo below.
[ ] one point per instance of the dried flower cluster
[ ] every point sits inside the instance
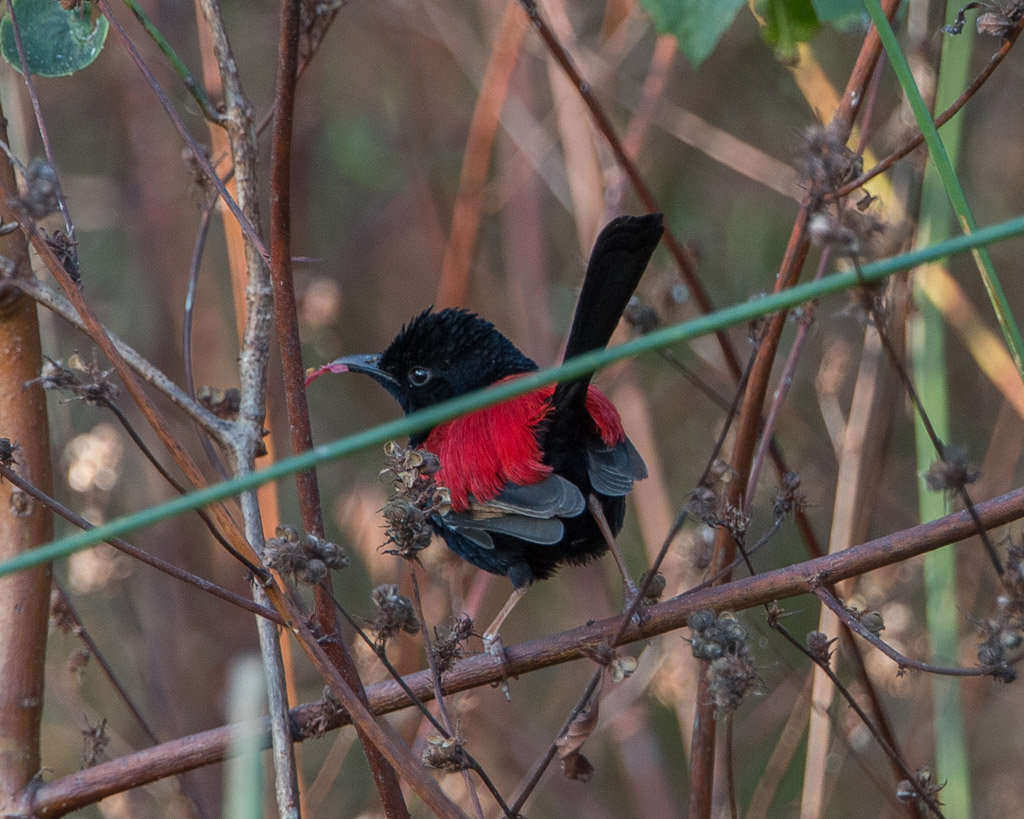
(444, 754)
(449, 643)
(222, 403)
(952, 472)
(327, 716)
(395, 614)
(85, 382)
(418, 498)
(306, 558)
(924, 782)
(1004, 632)
(722, 641)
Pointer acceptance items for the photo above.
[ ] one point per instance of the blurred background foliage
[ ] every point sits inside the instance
(381, 131)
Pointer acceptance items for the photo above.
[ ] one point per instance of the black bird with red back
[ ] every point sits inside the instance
(520, 472)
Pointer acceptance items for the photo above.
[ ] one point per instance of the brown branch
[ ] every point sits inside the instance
(902, 660)
(392, 747)
(247, 226)
(138, 554)
(85, 787)
(287, 323)
(702, 757)
(24, 596)
(917, 141)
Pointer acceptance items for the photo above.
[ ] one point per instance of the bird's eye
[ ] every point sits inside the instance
(418, 376)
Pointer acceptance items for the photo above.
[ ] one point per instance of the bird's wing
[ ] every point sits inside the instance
(613, 469)
(530, 513)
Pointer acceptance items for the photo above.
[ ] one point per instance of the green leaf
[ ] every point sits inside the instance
(785, 23)
(57, 42)
(698, 25)
(840, 13)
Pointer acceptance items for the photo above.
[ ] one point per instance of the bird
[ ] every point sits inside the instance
(533, 480)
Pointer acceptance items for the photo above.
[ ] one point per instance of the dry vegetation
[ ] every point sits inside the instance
(442, 153)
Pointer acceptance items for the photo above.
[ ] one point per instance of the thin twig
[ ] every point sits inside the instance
(44, 134)
(915, 399)
(80, 631)
(418, 703)
(143, 557)
(890, 752)
(247, 226)
(180, 488)
(435, 677)
(917, 141)
(903, 661)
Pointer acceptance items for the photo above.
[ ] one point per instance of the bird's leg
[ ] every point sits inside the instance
(492, 640)
(629, 590)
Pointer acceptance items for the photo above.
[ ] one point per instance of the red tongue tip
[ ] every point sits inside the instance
(313, 374)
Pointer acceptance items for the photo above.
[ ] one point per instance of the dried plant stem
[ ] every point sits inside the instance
(44, 134)
(157, 563)
(917, 141)
(476, 159)
(903, 661)
(79, 630)
(890, 751)
(702, 749)
(285, 315)
(84, 787)
(57, 303)
(435, 679)
(24, 596)
(247, 226)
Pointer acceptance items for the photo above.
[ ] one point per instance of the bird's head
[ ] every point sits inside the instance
(437, 356)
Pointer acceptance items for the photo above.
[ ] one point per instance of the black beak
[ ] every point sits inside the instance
(369, 364)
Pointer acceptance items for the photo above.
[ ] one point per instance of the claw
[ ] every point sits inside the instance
(494, 647)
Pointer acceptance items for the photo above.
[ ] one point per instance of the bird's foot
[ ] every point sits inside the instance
(630, 594)
(494, 647)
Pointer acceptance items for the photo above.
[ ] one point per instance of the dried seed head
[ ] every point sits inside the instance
(820, 646)
(42, 189)
(952, 472)
(577, 767)
(730, 678)
(395, 614)
(77, 661)
(304, 558)
(86, 382)
(655, 589)
(94, 742)
(61, 617)
(827, 163)
(418, 498)
(641, 317)
(7, 450)
(449, 643)
(444, 754)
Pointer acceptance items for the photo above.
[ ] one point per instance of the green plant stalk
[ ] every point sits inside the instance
(927, 344)
(243, 776)
(193, 85)
(430, 417)
(955, 192)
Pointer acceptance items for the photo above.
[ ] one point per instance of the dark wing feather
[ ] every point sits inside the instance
(613, 469)
(530, 513)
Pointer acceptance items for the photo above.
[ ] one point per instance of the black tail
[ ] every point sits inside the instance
(617, 262)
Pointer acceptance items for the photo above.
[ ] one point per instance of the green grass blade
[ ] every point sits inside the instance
(243, 775)
(424, 419)
(928, 353)
(944, 167)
